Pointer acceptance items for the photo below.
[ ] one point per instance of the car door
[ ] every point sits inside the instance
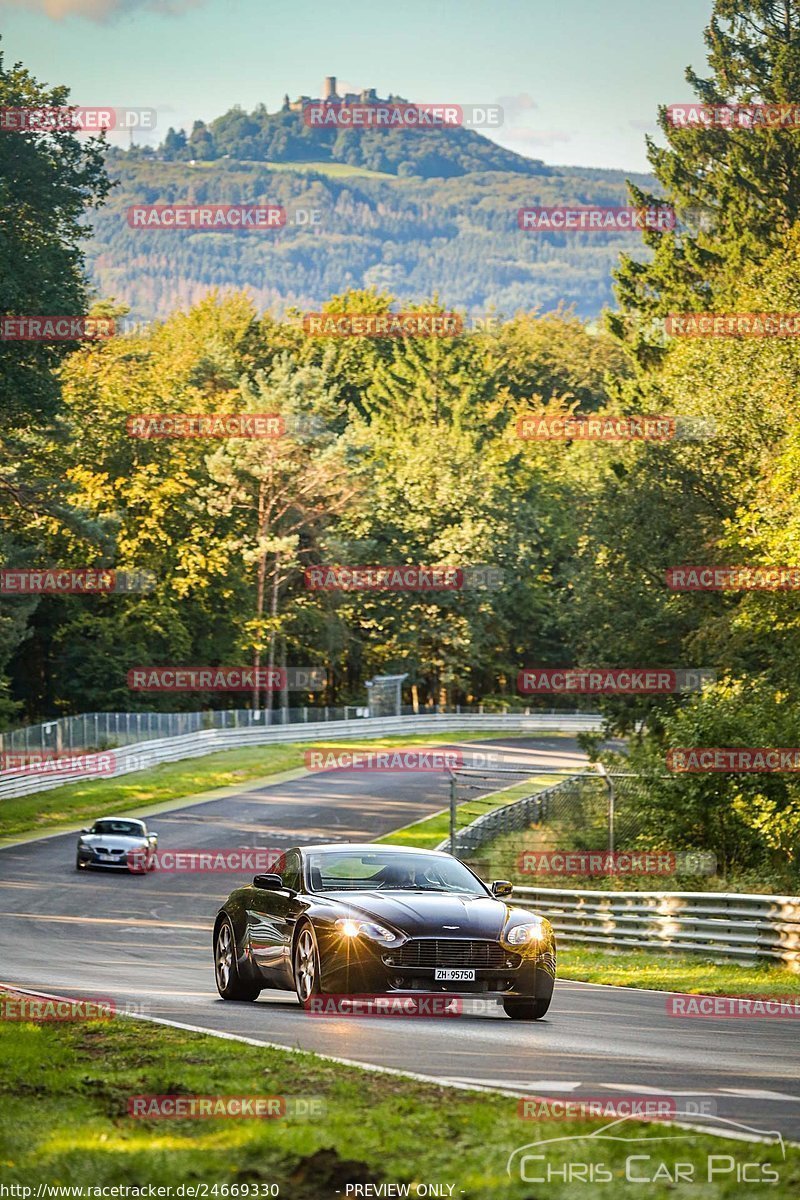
(271, 922)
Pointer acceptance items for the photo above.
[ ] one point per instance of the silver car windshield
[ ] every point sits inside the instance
(347, 870)
(121, 828)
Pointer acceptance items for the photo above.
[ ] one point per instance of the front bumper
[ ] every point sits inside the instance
(89, 857)
(359, 966)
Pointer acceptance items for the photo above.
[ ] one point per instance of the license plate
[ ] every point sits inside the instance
(454, 974)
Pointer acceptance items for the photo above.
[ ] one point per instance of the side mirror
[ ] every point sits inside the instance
(270, 883)
(502, 887)
(86, 831)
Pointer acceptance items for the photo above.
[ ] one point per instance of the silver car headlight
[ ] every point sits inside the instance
(531, 931)
(350, 928)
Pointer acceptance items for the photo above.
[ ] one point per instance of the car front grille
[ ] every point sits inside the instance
(452, 952)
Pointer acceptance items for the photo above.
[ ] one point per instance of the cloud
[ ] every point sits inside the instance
(514, 105)
(533, 137)
(100, 10)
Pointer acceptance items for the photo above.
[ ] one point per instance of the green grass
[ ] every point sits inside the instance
(44, 811)
(675, 972)
(157, 785)
(430, 831)
(334, 169)
(63, 1120)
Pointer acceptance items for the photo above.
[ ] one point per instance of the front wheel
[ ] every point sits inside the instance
(230, 984)
(306, 965)
(526, 1010)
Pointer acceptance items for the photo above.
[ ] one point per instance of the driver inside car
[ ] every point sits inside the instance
(395, 875)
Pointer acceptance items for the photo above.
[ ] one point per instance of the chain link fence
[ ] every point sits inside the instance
(593, 823)
(110, 730)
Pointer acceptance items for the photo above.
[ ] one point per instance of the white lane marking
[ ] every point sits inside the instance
(128, 922)
(759, 1094)
(545, 1085)
(657, 1091)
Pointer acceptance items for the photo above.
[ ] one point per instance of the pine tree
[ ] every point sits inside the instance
(735, 190)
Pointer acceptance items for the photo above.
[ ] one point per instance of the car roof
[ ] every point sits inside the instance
(371, 848)
(127, 820)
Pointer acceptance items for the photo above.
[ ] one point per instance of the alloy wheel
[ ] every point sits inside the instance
(305, 965)
(224, 955)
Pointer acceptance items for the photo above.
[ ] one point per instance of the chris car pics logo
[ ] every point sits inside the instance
(624, 1152)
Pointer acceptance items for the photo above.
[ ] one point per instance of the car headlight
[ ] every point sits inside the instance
(350, 928)
(531, 931)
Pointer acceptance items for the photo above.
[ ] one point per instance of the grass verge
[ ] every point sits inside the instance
(430, 831)
(74, 802)
(63, 1120)
(675, 972)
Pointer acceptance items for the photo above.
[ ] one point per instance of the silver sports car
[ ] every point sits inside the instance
(117, 842)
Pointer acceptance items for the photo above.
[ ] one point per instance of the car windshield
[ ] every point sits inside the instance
(367, 870)
(122, 828)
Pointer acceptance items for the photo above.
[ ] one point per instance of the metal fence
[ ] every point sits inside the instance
(586, 809)
(738, 926)
(508, 818)
(135, 757)
(108, 730)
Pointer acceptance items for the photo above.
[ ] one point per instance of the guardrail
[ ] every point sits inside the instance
(745, 927)
(150, 754)
(519, 814)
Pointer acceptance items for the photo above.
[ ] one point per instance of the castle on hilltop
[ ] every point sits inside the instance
(330, 96)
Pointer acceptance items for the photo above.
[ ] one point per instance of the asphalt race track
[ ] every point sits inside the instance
(145, 941)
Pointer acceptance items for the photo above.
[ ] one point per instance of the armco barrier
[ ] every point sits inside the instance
(745, 927)
(193, 745)
(519, 814)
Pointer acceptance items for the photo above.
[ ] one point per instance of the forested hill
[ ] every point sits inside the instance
(285, 137)
(414, 237)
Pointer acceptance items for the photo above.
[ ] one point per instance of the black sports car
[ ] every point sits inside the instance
(355, 919)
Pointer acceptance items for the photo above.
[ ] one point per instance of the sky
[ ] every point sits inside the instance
(579, 80)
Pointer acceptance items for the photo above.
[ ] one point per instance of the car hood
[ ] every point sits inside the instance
(117, 841)
(425, 914)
